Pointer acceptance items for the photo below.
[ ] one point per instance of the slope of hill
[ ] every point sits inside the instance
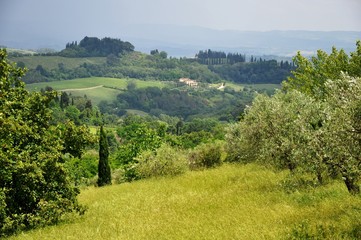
(230, 202)
(95, 88)
(52, 62)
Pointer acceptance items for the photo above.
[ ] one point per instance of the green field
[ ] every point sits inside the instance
(96, 88)
(52, 62)
(229, 202)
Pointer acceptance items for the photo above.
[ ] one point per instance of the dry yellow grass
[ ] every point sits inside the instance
(230, 202)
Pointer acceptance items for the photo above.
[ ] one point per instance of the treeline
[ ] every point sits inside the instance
(261, 71)
(210, 57)
(95, 47)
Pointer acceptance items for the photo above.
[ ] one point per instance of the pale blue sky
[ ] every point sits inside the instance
(106, 15)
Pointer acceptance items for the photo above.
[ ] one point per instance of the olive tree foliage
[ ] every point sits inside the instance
(313, 125)
(271, 131)
(343, 129)
(292, 130)
(34, 187)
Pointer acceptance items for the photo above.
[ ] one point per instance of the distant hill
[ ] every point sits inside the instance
(184, 41)
(180, 41)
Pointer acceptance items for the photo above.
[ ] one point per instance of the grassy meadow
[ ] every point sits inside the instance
(229, 202)
(96, 88)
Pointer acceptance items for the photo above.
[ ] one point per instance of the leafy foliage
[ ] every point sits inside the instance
(314, 130)
(311, 75)
(136, 137)
(166, 160)
(75, 139)
(206, 156)
(35, 189)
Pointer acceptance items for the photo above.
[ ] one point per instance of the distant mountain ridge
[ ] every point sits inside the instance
(186, 41)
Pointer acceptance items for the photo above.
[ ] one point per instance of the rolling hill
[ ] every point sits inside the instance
(95, 88)
(229, 202)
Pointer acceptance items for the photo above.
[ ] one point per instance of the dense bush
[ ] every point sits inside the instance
(206, 156)
(81, 171)
(164, 161)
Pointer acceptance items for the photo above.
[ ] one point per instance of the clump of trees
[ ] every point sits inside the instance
(95, 47)
(34, 186)
(262, 71)
(310, 127)
(235, 68)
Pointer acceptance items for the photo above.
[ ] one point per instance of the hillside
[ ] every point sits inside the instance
(230, 202)
(52, 62)
(107, 57)
(96, 88)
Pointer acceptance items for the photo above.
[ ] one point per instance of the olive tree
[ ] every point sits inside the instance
(342, 129)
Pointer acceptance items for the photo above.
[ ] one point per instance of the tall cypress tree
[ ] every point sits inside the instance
(104, 174)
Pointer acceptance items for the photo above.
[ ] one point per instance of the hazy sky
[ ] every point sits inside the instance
(102, 16)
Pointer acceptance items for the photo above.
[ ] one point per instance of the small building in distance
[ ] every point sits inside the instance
(189, 82)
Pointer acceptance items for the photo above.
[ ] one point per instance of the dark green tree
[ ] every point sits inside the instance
(34, 187)
(104, 173)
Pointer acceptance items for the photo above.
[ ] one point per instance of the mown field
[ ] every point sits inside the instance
(96, 88)
(229, 202)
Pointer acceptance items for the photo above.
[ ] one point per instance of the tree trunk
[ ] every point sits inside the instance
(351, 185)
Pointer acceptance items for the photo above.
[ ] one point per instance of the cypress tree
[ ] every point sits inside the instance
(104, 174)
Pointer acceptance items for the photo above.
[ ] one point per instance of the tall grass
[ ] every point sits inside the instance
(229, 202)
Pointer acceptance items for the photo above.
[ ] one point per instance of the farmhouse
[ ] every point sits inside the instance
(189, 82)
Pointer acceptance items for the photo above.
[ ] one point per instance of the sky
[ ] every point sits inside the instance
(254, 15)
(74, 19)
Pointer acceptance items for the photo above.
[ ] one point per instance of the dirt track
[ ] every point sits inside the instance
(80, 89)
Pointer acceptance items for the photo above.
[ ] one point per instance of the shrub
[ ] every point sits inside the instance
(206, 156)
(165, 161)
(234, 144)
